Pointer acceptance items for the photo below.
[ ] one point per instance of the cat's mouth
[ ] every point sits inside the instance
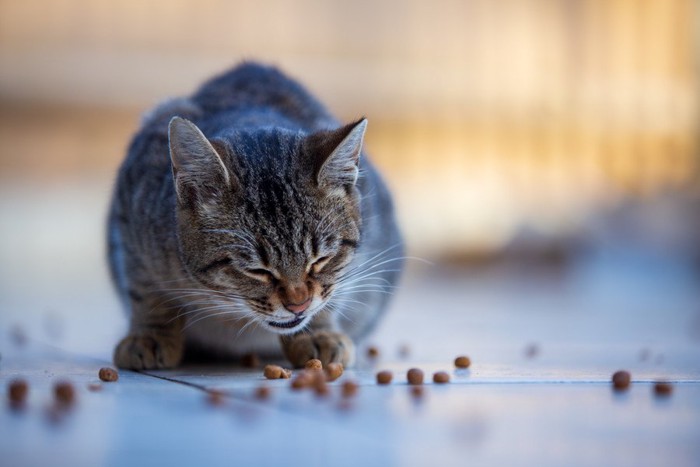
(288, 324)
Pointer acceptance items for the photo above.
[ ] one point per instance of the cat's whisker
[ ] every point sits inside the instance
(367, 275)
(337, 310)
(253, 320)
(387, 292)
(377, 256)
(207, 311)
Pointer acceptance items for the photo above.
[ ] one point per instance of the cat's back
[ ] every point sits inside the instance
(254, 88)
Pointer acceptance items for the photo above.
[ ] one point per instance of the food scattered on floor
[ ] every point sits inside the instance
(262, 393)
(415, 376)
(276, 372)
(384, 377)
(108, 374)
(372, 352)
(663, 388)
(17, 392)
(441, 377)
(64, 393)
(216, 398)
(463, 361)
(532, 350)
(349, 389)
(621, 380)
(313, 364)
(334, 371)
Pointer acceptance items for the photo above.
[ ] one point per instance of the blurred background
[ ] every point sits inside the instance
(526, 133)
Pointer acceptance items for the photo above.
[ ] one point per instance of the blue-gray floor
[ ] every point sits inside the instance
(554, 408)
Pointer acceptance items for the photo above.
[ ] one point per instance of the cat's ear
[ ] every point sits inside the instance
(337, 154)
(199, 173)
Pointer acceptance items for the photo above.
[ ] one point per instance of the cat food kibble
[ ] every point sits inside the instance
(250, 360)
(372, 352)
(215, 398)
(313, 364)
(441, 377)
(94, 387)
(321, 388)
(462, 361)
(663, 388)
(349, 389)
(108, 374)
(262, 393)
(303, 380)
(276, 372)
(532, 350)
(18, 391)
(64, 393)
(384, 377)
(334, 371)
(414, 376)
(621, 380)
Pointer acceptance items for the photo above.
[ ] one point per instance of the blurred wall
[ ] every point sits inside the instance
(487, 117)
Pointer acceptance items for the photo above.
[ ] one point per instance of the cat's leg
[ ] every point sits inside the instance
(321, 340)
(155, 338)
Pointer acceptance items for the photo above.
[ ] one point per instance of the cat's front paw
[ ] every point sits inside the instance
(327, 346)
(146, 352)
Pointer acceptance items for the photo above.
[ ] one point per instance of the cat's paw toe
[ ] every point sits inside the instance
(144, 352)
(329, 347)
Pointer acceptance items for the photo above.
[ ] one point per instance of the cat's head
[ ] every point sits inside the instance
(268, 219)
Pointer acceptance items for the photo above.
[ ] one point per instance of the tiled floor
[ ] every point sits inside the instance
(554, 408)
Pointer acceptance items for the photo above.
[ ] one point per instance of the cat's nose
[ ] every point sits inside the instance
(294, 308)
(297, 298)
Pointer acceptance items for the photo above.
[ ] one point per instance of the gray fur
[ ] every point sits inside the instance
(250, 174)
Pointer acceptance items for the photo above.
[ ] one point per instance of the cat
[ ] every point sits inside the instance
(245, 218)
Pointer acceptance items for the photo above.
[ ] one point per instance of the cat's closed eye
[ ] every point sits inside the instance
(318, 265)
(263, 275)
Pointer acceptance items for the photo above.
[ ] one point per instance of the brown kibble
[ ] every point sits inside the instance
(302, 381)
(532, 350)
(621, 380)
(463, 362)
(414, 376)
(313, 364)
(272, 371)
(276, 372)
(372, 352)
(349, 389)
(663, 388)
(417, 391)
(216, 398)
(262, 393)
(18, 391)
(64, 393)
(94, 387)
(441, 377)
(321, 388)
(384, 377)
(108, 374)
(250, 360)
(334, 371)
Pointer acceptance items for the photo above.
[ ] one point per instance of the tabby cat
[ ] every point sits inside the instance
(245, 218)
